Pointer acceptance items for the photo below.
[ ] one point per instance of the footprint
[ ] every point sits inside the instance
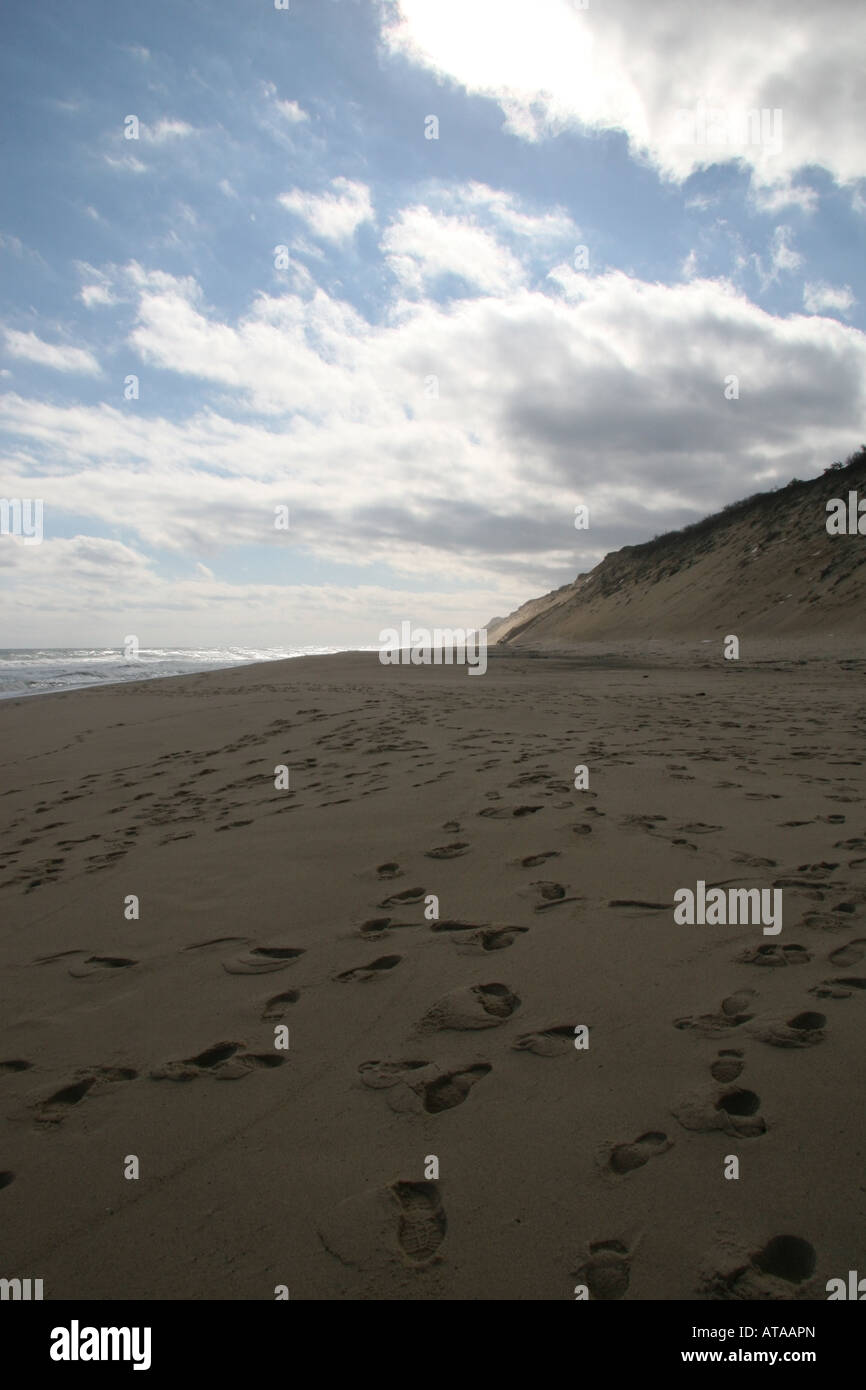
(448, 851)
(478, 939)
(786, 1257)
(452, 1089)
(214, 1056)
(773, 954)
(382, 1075)
(727, 1066)
(624, 1158)
(58, 955)
(642, 822)
(840, 988)
(261, 960)
(389, 871)
(644, 907)
(739, 1102)
(371, 971)
(554, 895)
(422, 1223)
(478, 1006)
(409, 895)
(69, 1095)
(851, 954)
(15, 1064)
(547, 1042)
(551, 892)
(374, 926)
(803, 1030)
(735, 1111)
(781, 1270)
(454, 924)
(606, 1272)
(532, 861)
(731, 1015)
(6, 1178)
(215, 941)
(825, 921)
(53, 1109)
(99, 967)
(275, 1007)
(499, 938)
(223, 1060)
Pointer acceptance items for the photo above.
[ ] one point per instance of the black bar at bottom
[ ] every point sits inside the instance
(222, 1339)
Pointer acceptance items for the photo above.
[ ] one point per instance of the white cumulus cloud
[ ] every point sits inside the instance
(61, 358)
(680, 78)
(334, 216)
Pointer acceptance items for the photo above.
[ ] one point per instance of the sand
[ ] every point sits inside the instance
(413, 1039)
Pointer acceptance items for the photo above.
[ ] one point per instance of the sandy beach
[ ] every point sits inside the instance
(432, 909)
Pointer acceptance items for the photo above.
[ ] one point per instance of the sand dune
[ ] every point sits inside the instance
(766, 566)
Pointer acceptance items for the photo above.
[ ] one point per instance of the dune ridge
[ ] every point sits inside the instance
(761, 567)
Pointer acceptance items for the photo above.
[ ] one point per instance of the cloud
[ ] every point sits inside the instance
(86, 583)
(447, 441)
(421, 248)
(126, 163)
(470, 232)
(332, 216)
(783, 256)
(97, 289)
(291, 111)
(166, 129)
(62, 359)
(17, 248)
(283, 120)
(771, 198)
(783, 259)
(502, 209)
(819, 296)
(95, 294)
(639, 68)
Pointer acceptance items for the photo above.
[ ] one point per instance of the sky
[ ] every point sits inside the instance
(319, 318)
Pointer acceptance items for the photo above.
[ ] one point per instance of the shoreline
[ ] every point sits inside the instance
(592, 653)
(175, 675)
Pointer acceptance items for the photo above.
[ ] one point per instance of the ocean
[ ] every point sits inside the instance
(40, 670)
